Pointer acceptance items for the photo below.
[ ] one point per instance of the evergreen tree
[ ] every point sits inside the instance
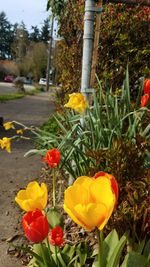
(45, 31)
(35, 34)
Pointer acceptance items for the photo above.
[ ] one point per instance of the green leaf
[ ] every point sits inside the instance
(59, 256)
(115, 257)
(54, 218)
(48, 5)
(30, 251)
(109, 245)
(69, 250)
(147, 249)
(140, 247)
(95, 264)
(82, 253)
(134, 259)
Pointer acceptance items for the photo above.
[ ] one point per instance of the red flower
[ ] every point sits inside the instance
(52, 157)
(144, 100)
(35, 225)
(147, 86)
(56, 236)
(114, 184)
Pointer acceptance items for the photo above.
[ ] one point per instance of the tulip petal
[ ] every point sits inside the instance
(33, 187)
(44, 195)
(84, 181)
(73, 216)
(76, 194)
(101, 192)
(91, 215)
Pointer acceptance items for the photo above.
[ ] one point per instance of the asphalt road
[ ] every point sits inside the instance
(15, 170)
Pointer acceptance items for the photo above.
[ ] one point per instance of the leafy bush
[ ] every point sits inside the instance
(120, 44)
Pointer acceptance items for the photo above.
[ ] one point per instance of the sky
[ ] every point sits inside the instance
(31, 12)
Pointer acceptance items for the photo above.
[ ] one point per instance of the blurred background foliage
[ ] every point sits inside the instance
(124, 39)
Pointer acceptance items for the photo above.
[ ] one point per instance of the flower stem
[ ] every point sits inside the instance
(54, 188)
(100, 247)
(43, 255)
(56, 251)
(49, 250)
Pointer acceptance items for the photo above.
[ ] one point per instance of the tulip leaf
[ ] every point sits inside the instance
(59, 257)
(54, 218)
(31, 252)
(134, 259)
(82, 253)
(69, 251)
(72, 260)
(115, 257)
(140, 247)
(95, 264)
(109, 245)
(147, 249)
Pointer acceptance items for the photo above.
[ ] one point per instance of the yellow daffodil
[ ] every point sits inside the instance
(77, 101)
(20, 131)
(5, 143)
(91, 201)
(8, 125)
(33, 197)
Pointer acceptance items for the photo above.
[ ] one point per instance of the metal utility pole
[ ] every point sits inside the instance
(96, 43)
(87, 46)
(49, 60)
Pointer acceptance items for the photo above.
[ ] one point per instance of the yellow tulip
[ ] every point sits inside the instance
(91, 201)
(77, 102)
(33, 197)
(6, 143)
(8, 125)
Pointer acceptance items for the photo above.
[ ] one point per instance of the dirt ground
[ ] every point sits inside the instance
(15, 170)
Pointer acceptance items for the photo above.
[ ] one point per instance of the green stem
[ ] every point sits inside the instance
(57, 262)
(43, 255)
(100, 247)
(54, 188)
(49, 250)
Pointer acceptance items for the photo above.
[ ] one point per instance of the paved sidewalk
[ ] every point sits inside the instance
(15, 170)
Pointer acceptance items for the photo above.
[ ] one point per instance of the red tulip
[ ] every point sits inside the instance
(56, 236)
(144, 100)
(147, 86)
(52, 157)
(114, 184)
(35, 225)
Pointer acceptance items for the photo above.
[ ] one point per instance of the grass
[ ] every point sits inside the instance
(12, 96)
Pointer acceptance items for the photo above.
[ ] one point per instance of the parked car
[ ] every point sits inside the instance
(8, 79)
(42, 81)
